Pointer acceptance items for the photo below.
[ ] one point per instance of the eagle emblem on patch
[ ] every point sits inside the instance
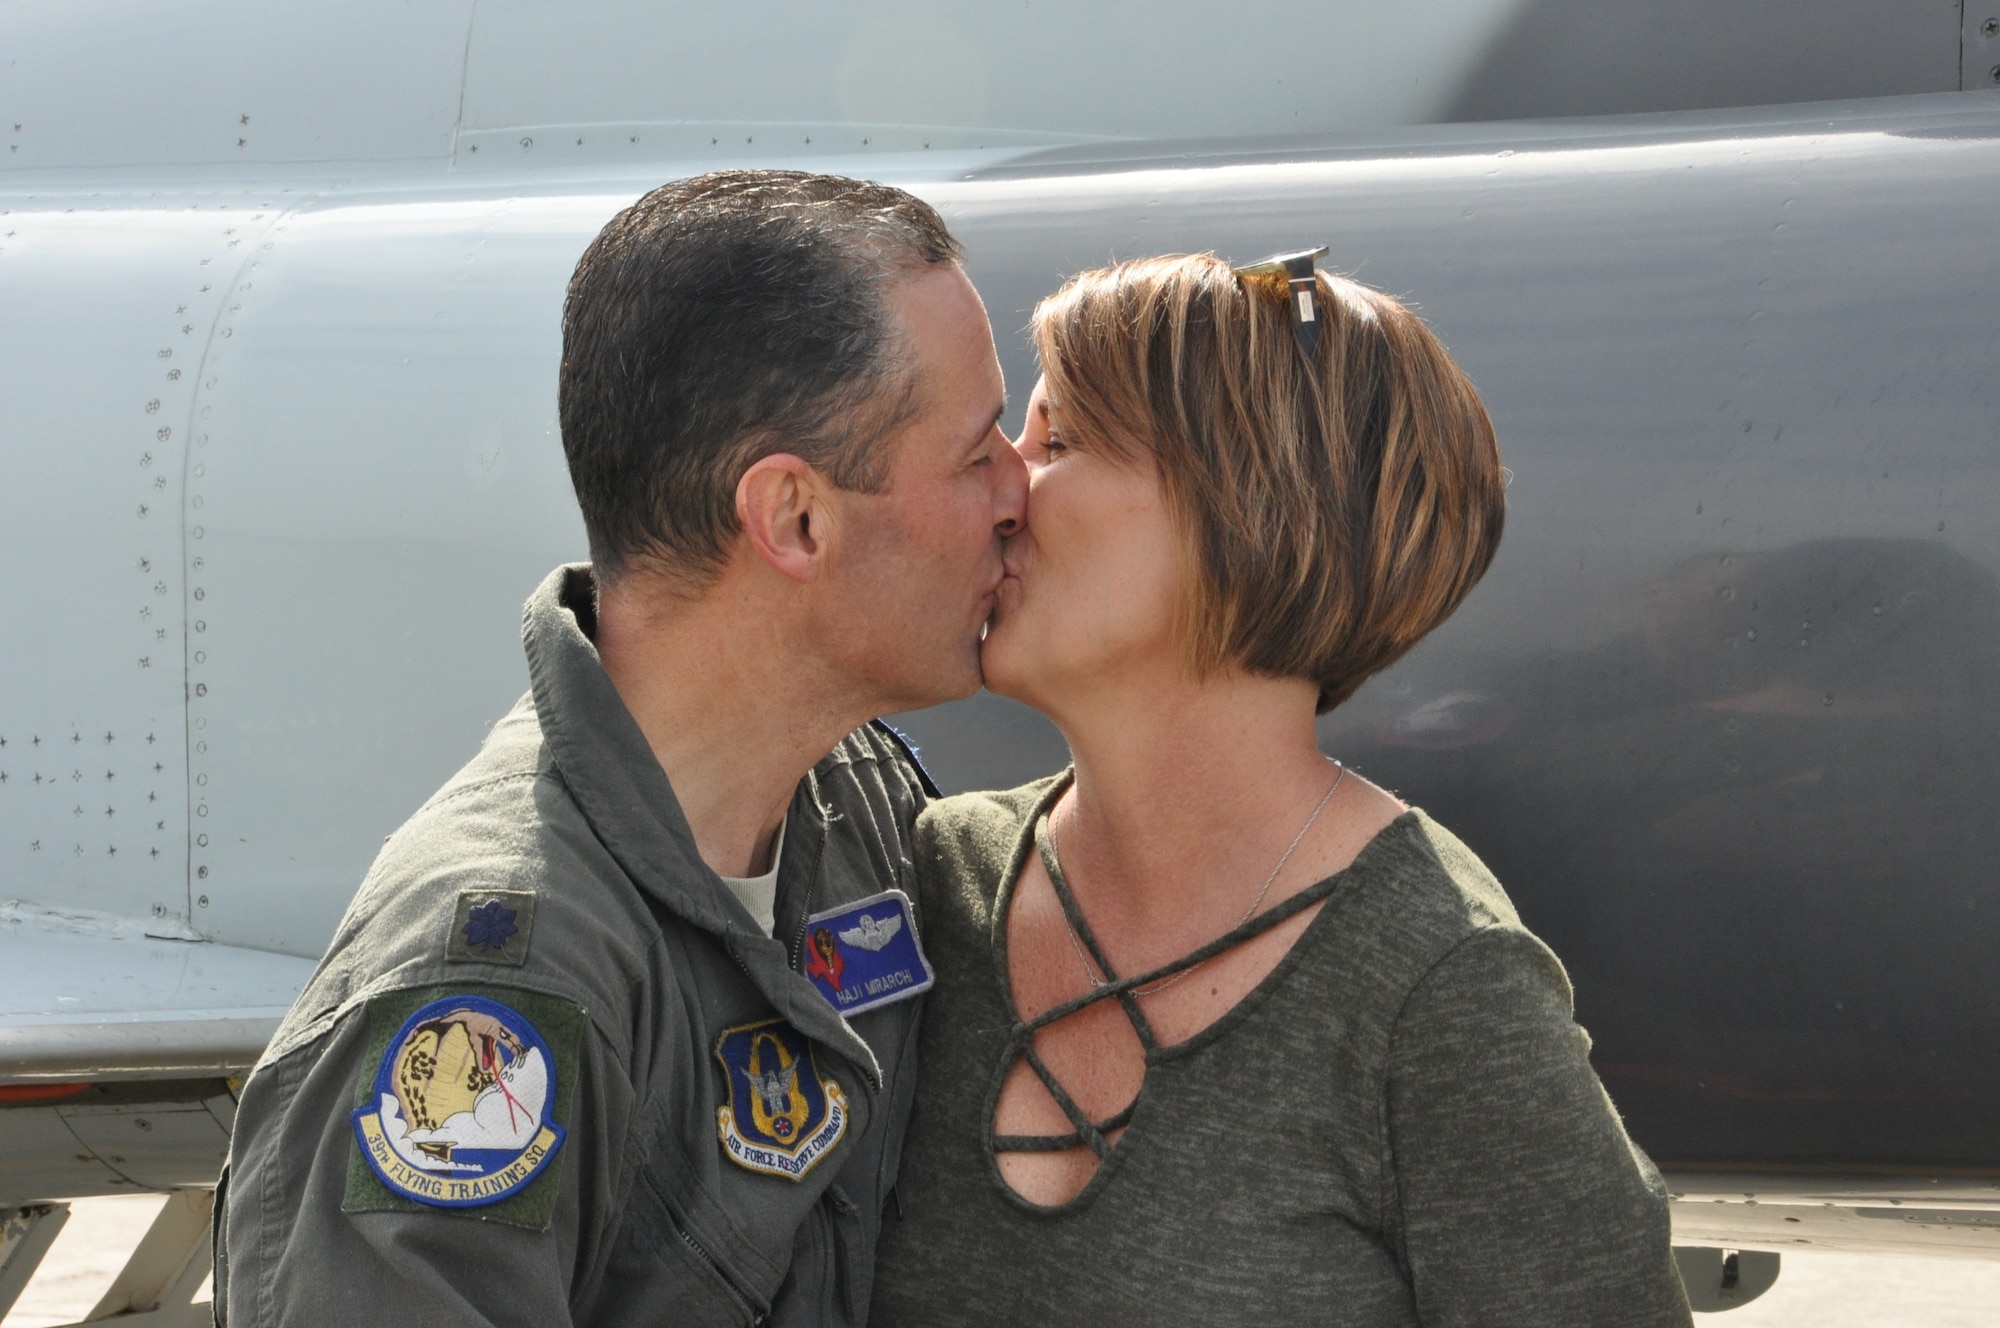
(782, 1116)
(461, 1110)
(866, 953)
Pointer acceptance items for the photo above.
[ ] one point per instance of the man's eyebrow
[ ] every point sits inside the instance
(988, 427)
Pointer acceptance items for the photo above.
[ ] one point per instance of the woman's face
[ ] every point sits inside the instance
(1092, 580)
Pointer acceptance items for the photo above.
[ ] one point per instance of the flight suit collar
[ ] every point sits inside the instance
(621, 790)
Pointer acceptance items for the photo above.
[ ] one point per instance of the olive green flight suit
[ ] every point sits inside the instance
(556, 876)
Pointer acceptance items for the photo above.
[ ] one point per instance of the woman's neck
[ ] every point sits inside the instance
(1186, 794)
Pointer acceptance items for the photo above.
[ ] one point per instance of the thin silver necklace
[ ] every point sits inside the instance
(1076, 942)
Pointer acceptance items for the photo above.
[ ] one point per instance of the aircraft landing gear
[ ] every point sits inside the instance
(157, 1285)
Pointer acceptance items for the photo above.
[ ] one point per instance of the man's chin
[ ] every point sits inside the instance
(953, 683)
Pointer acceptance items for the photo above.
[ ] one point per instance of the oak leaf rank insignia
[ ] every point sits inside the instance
(491, 927)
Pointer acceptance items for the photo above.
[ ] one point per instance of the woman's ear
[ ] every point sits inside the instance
(780, 508)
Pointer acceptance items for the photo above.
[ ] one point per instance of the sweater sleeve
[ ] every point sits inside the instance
(1522, 1201)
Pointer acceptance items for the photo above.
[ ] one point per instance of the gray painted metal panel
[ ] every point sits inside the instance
(1979, 46)
(760, 73)
(1743, 375)
(1606, 57)
(155, 1146)
(95, 998)
(366, 558)
(43, 1158)
(106, 317)
(237, 86)
(1953, 1217)
(122, 1138)
(109, 84)
(1721, 716)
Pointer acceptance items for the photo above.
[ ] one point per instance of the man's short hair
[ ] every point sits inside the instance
(1332, 509)
(723, 319)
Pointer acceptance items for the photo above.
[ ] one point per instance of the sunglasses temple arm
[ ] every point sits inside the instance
(1304, 301)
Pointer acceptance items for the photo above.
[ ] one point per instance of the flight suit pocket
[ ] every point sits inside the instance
(663, 1272)
(853, 1265)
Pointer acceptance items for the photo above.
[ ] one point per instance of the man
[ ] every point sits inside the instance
(619, 1027)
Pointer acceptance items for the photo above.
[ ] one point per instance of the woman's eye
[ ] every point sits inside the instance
(1054, 446)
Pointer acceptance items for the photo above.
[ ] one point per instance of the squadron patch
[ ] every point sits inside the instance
(866, 954)
(461, 1112)
(782, 1117)
(491, 927)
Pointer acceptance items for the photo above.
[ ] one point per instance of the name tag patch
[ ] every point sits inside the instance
(866, 954)
(781, 1117)
(461, 1113)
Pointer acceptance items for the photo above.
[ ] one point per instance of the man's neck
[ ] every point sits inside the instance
(734, 707)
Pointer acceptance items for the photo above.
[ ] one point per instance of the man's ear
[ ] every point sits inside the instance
(779, 506)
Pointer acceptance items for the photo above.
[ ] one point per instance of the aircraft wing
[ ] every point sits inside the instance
(118, 1048)
(86, 997)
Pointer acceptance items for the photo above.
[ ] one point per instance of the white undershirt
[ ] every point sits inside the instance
(759, 894)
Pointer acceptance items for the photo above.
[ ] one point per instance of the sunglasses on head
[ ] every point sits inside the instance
(1304, 302)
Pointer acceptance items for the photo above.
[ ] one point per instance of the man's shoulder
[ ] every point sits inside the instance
(496, 879)
(877, 754)
(513, 751)
(872, 782)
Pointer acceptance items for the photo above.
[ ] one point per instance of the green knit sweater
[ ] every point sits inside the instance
(1399, 1125)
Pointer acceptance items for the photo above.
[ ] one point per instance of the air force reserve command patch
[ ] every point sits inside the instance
(462, 1111)
(866, 954)
(782, 1117)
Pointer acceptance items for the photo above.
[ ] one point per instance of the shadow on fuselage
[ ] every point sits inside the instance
(1760, 830)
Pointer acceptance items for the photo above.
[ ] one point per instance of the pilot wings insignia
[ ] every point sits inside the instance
(871, 933)
(866, 953)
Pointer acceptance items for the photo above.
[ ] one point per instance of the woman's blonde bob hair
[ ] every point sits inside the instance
(1332, 511)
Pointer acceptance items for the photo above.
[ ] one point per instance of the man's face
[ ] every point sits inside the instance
(915, 567)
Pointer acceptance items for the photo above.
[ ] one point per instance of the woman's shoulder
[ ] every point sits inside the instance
(984, 824)
(969, 839)
(1419, 894)
(1447, 879)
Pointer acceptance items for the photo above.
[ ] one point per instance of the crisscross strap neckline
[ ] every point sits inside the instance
(1085, 1132)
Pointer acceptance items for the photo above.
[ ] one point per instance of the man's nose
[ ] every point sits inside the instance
(1010, 491)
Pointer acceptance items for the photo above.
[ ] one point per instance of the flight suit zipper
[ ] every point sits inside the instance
(797, 948)
(742, 1298)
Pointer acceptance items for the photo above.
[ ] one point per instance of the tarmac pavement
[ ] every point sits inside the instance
(1813, 1290)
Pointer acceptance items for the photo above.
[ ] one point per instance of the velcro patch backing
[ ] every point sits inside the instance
(464, 1103)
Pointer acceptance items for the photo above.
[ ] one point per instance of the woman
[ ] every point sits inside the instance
(1224, 1033)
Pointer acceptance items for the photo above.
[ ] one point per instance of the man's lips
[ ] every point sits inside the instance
(989, 603)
